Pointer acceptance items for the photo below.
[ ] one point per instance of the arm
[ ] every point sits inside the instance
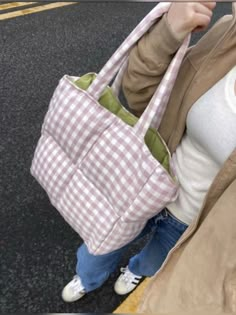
(151, 56)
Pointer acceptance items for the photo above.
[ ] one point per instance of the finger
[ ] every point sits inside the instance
(202, 21)
(209, 5)
(200, 8)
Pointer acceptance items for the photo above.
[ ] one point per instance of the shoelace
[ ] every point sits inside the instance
(77, 285)
(129, 277)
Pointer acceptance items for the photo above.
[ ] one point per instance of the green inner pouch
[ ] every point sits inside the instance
(108, 100)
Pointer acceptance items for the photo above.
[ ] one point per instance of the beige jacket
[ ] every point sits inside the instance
(199, 274)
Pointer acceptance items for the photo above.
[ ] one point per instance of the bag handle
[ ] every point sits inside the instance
(116, 85)
(155, 109)
(157, 105)
(112, 66)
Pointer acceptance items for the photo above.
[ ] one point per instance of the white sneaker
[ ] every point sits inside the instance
(126, 282)
(74, 290)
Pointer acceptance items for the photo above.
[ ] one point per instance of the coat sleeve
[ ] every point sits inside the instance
(148, 61)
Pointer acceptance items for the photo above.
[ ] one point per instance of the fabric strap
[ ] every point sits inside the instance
(155, 109)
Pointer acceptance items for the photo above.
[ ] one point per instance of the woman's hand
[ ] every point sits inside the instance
(185, 17)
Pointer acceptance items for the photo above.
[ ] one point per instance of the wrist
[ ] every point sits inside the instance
(178, 34)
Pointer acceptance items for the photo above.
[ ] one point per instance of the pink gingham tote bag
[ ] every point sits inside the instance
(96, 169)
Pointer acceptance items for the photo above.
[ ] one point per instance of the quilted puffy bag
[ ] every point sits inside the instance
(104, 170)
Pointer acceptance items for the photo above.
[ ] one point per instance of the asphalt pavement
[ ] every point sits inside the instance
(37, 247)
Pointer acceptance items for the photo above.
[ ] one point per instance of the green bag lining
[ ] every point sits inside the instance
(111, 103)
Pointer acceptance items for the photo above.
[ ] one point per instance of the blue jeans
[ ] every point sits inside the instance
(165, 231)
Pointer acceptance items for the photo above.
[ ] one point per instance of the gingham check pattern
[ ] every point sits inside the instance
(97, 170)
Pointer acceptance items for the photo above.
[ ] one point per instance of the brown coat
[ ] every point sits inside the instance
(199, 274)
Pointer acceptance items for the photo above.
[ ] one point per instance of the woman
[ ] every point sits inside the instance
(147, 64)
(199, 127)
